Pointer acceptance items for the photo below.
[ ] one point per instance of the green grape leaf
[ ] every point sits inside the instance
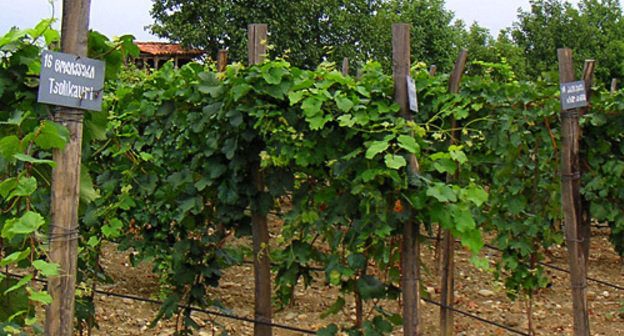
(27, 224)
(49, 137)
(395, 161)
(476, 195)
(26, 186)
(311, 106)
(15, 256)
(47, 269)
(344, 104)
(442, 192)
(42, 297)
(9, 146)
(375, 148)
(409, 144)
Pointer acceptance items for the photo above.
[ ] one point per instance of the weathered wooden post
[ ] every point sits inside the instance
(448, 243)
(584, 229)
(614, 83)
(222, 60)
(345, 66)
(572, 93)
(410, 253)
(257, 37)
(66, 185)
(432, 70)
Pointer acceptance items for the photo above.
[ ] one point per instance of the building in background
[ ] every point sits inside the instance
(155, 54)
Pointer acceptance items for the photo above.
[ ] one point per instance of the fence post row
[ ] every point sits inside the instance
(571, 200)
(64, 229)
(410, 253)
(448, 244)
(257, 37)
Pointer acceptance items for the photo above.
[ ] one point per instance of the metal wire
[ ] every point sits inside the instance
(571, 177)
(556, 268)
(496, 324)
(575, 240)
(569, 114)
(198, 310)
(62, 234)
(563, 270)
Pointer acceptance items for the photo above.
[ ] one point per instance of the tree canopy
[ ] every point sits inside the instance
(310, 31)
(593, 30)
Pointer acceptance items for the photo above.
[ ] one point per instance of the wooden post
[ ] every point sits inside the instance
(410, 253)
(448, 243)
(614, 82)
(345, 66)
(222, 60)
(66, 186)
(571, 201)
(257, 35)
(432, 70)
(584, 229)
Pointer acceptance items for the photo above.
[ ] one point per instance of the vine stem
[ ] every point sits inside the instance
(554, 142)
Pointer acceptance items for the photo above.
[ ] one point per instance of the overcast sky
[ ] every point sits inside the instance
(118, 17)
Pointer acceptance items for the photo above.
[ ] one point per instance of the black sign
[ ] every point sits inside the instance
(71, 81)
(573, 95)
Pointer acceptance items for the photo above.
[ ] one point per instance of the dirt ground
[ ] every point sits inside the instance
(476, 291)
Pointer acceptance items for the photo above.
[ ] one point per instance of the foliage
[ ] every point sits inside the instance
(186, 143)
(170, 166)
(604, 159)
(308, 32)
(26, 142)
(28, 136)
(593, 31)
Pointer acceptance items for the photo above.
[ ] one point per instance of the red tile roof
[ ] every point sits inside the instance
(166, 48)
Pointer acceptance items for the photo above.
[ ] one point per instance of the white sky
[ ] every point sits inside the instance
(118, 17)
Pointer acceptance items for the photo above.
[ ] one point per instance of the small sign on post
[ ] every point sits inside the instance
(71, 81)
(411, 94)
(573, 95)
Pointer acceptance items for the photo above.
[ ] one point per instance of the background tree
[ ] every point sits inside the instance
(312, 30)
(605, 42)
(300, 29)
(594, 30)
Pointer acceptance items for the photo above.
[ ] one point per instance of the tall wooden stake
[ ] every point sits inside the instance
(66, 185)
(584, 229)
(222, 60)
(345, 66)
(410, 253)
(448, 244)
(614, 83)
(571, 201)
(257, 37)
(432, 70)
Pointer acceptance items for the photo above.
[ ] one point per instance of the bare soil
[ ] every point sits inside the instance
(476, 291)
